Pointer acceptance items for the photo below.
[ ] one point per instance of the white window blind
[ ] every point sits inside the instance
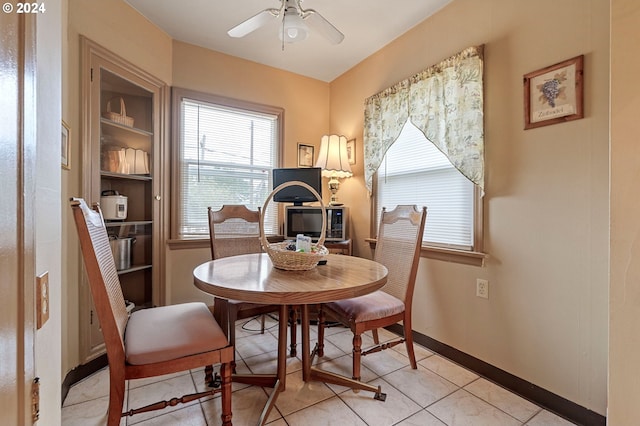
(414, 171)
(226, 157)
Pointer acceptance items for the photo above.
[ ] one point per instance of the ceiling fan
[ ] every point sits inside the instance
(295, 23)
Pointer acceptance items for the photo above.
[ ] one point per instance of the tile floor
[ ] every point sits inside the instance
(438, 393)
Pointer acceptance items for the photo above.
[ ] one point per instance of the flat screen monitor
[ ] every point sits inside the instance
(296, 194)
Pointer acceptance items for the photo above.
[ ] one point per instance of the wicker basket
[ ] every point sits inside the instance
(120, 118)
(292, 260)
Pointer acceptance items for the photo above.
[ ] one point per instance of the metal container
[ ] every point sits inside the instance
(121, 249)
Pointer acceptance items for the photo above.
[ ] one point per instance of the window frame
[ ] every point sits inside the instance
(177, 96)
(474, 257)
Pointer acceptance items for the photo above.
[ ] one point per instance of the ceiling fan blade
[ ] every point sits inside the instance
(321, 25)
(253, 23)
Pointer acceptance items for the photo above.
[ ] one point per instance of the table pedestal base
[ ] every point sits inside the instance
(309, 373)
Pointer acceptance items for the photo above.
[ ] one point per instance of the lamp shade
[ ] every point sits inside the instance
(293, 27)
(333, 157)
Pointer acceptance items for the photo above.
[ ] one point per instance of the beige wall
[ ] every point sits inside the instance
(48, 258)
(119, 28)
(546, 216)
(624, 345)
(306, 119)
(546, 207)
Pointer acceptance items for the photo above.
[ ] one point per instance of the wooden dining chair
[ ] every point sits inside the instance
(149, 342)
(235, 230)
(398, 248)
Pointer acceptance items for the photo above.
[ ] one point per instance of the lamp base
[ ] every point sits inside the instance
(334, 184)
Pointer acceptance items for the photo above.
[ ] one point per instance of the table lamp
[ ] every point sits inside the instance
(334, 163)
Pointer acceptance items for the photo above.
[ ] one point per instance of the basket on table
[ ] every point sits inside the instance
(290, 260)
(121, 117)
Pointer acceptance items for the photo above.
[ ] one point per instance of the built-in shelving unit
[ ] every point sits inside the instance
(111, 144)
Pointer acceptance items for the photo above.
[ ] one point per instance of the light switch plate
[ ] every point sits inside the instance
(42, 299)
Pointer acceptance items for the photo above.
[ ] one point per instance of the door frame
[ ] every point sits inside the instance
(17, 246)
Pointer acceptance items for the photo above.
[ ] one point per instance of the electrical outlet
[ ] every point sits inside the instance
(42, 299)
(482, 288)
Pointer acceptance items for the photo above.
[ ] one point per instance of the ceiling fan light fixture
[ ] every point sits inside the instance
(293, 27)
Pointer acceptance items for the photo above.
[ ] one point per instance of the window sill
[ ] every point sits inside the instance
(464, 257)
(197, 243)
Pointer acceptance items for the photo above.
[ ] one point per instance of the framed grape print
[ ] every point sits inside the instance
(554, 94)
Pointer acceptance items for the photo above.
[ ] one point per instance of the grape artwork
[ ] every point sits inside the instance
(552, 89)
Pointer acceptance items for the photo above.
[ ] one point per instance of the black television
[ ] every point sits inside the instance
(297, 194)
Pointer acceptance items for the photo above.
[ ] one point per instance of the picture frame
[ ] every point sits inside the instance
(65, 145)
(554, 94)
(351, 151)
(305, 155)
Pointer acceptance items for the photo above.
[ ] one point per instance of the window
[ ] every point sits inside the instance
(225, 153)
(414, 171)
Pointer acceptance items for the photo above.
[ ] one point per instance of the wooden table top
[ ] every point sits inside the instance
(252, 278)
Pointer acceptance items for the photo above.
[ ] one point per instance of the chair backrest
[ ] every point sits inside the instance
(103, 277)
(398, 248)
(234, 230)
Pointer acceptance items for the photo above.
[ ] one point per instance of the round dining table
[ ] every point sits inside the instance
(253, 278)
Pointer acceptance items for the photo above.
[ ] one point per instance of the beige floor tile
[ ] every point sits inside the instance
(331, 351)
(266, 363)
(422, 418)
(396, 407)
(136, 383)
(299, 395)
(499, 397)
(246, 407)
(160, 391)
(449, 370)
(385, 362)
(422, 385)
(256, 344)
(344, 366)
(90, 413)
(420, 352)
(464, 409)
(435, 385)
(92, 387)
(187, 416)
(332, 412)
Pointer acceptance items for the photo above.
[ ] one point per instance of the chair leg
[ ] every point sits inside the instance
(357, 355)
(320, 331)
(116, 396)
(408, 341)
(263, 319)
(293, 321)
(376, 339)
(225, 373)
(232, 316)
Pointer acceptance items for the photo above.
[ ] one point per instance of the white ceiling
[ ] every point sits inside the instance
(368, 25)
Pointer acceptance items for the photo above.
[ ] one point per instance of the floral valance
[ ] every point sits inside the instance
(445, 101)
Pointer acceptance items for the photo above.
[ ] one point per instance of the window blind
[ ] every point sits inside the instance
(226, 157)
(414, 171)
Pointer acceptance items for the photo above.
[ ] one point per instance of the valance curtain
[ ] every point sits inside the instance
(445, 101)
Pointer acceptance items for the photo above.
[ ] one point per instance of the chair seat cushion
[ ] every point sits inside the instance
(369, 307)
(171, 332)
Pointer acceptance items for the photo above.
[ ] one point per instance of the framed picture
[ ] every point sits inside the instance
(66, 146)
(554, 94)
(305, 155)
(351, 151)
